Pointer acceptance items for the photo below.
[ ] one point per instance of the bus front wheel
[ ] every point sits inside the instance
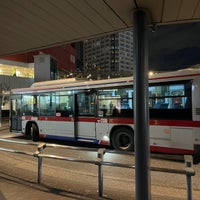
(34, 132)
(123, 139)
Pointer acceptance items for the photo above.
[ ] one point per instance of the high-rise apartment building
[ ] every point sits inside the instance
(109, 56)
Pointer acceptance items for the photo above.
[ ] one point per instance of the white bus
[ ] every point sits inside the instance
(101, 111)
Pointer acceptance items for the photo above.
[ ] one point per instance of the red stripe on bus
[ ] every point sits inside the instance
(187, 123)
(120, 121)
(169, 77)
(48, 118)
(171, 150)
(103, 142)
(36, 90)
(86, 119)
(54, 118)
(182, 123)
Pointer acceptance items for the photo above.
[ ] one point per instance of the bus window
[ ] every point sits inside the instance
(30, 105)
(16, 107)
(16, 113)
(64, 105)
(48, 104)
(170, 100)
(85, 103)
(115, 102)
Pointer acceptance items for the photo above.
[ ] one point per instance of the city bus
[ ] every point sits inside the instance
(101, 111)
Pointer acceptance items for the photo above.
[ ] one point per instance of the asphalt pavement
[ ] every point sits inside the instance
(14, 186)
(18, 185)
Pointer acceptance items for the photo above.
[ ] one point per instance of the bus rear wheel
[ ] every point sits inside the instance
(123, 139)
(34, 132)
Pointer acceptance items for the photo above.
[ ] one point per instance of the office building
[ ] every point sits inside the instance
(109, 56)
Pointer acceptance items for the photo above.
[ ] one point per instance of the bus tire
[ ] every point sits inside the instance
(123, 139)
(34, 132)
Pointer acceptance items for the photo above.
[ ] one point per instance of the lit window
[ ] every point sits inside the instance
(72, 58)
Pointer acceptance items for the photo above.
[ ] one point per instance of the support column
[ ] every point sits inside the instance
(141, 110)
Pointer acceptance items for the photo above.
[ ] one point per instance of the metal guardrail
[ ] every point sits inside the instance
(188, 171)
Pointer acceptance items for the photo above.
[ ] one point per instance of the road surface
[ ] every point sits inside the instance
(70, 180)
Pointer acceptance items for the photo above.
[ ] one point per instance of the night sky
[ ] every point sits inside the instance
(173, 47)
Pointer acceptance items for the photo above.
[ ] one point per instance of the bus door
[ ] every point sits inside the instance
(16, 114)
(85, 121)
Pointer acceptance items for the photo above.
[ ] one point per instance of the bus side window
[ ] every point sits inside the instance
(177, 105)
(85, 104)
(117, 109)
(188, 103)
(47, 104)
(64, 105)
(104, 110)
(160, 105)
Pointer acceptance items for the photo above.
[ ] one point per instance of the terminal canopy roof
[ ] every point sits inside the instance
(28, 25)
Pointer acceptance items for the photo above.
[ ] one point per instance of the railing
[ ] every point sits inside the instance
(188, 171)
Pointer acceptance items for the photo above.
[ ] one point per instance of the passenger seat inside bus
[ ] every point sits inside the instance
(160, 105)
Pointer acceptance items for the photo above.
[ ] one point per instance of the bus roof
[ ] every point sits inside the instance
(73, 84)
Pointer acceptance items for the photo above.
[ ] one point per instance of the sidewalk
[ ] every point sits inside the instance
(13, 188)
(4, 127)
(4, 130)
(4, 124)
(18, 181)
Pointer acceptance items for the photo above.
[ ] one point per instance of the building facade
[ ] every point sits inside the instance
(109, 56)
(65, 56)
